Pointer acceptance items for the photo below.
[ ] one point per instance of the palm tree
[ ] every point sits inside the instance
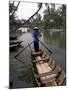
(52, 8)
(48, 8)
(39, 7)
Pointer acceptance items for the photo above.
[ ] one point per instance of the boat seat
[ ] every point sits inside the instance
(48, 74)
(48, 79)
(55, 72)
(60, 78)
(40, 60)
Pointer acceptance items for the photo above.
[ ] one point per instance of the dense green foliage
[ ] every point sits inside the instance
(52, 18)
(13, 22)
(16, 23)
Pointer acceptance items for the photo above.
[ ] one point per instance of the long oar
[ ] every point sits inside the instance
(46, 47)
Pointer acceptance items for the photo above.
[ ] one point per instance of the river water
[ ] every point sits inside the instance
(21, 73)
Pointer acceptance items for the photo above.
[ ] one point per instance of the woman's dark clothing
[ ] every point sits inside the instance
(36, 46)
(36, 36)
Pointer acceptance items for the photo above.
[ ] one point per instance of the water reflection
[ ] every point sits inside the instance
(55, 38)
(56, 41)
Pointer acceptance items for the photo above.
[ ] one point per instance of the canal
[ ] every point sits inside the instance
(21, 73)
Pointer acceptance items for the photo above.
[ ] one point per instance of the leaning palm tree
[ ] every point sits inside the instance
(39, 7)
(52, 8)
(48, 8)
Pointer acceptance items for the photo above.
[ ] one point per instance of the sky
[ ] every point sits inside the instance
(25, 9)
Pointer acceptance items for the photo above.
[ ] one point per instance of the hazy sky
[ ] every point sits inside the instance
(25, 9)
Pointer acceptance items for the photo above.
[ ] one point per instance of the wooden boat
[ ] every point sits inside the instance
(45, 69)
(14, 44)
(13, 37)
(15, 41)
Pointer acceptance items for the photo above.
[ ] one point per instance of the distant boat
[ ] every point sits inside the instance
(14, 44)
(24, 29)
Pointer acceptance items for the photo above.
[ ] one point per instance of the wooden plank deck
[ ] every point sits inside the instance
(48, 70)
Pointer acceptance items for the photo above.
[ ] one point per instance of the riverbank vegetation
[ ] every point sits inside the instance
(53, 18)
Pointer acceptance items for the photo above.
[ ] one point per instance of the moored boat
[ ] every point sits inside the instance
(14, 44)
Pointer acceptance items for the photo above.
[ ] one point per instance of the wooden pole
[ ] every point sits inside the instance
(46, 47)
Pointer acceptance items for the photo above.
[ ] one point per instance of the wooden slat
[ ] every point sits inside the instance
(57, 68)
(47, 80)
(51, 83)
(52, 65)
(50, 61)
(42, 68)
(39, 68)
(47, 68)
(44, 55)
(46, 74)
(34, 61)
(60, 78)
(38, 59)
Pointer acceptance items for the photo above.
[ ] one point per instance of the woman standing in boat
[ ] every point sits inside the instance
(36, 34)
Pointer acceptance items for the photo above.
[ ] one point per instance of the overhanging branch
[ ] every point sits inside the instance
(16, 8)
